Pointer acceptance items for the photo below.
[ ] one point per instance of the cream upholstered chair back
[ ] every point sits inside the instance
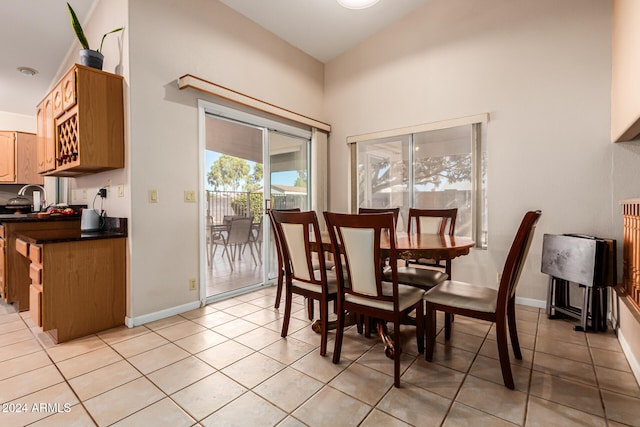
(432, 221)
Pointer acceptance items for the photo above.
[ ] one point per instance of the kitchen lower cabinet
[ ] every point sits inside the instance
(14, 268)
(77, 287)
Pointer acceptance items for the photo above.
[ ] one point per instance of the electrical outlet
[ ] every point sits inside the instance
(153, 196)
(193, 284)
(121, 190)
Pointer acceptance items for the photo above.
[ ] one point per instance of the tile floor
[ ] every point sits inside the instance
(225, 364)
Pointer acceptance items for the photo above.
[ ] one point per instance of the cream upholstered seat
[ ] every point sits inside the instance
(486, 303)
(356, 239)
(300, 276)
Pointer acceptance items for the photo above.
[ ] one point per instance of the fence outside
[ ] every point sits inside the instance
(245, 203)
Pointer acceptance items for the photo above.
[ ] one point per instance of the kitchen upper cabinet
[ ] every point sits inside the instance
(81, 124)
(18, 158)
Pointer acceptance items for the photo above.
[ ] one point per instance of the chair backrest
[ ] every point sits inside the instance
(394, 211)
(516, 258)
(275, 234)
(433, 221)
(239, 230)
(358, 237)
(293, 230)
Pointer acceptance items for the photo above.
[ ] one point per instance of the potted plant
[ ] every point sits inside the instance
(88, 57)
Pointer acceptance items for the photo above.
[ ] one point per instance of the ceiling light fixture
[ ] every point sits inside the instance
(27, 71)
(357, 4)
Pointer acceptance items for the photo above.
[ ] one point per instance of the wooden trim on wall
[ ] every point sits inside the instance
(193, 82)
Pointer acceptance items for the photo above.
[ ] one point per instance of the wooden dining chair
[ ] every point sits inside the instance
(394, 211)
(360, 285)
(301, 278)
(280, 279)
(427, 273)
(486, 303)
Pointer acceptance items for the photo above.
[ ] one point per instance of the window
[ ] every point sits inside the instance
(437, 166)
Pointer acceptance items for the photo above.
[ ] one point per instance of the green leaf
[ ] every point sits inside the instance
(77, 28)
(110, 32)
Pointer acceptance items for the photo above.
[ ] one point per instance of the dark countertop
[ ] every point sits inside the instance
(35, 217)
(114, 228)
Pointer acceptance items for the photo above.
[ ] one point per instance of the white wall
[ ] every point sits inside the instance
(167, 40)
(541, 68)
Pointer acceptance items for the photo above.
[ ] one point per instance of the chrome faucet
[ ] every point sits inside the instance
(43, 202)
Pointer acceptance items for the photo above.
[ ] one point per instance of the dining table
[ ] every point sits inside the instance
(439, 247)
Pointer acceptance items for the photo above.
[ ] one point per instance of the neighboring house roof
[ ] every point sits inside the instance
(287, 189)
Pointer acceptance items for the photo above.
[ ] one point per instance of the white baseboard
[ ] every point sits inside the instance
(532, 302)
(157, 315)
(631, 358)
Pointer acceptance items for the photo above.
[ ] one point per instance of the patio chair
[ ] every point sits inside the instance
(234, 239)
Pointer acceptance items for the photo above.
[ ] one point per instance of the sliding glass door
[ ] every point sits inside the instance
(251, 164)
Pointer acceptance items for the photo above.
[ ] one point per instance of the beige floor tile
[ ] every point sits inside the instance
(29, 382)
(463, 416)
(22, 364)
(116, 404)
(223, 355)
(180, 374)
(279, 391)
(247, 410)
(214, 319)
(363, 383)
(320, 368)
(19, 349)
(577, 395)
(263, 317)
(561, 330)
(563, 349)
(288, 350)
(14, 337)
(295, 325)
(8, 314)
(88, 362)
(543, 413)
(565, 368)
(253, 369)
(453, 358)
(617, 381)
(415, 405)
(377, 360)
(206, 396)
(104, 379)
(75, 348)
(621, 408)
(331, 401)
(610, 359)
(259, 338)
(198, 312)
(527, 341)
(36, 406)
(180, 330)
(470, 326)
(490, 349)
(494, 399)
(221, 305)
(378, 418)
(264, 301)
(241, 310)
(157, 358)
(200, 341)
(11, 326)
(163, 413)
(235, 328)
(462, 340)
(433, 377)
(139, 344)
(164, 323)
(489, 369)
(291, 422)
(77, 416)
(604, 340)
(121, 333)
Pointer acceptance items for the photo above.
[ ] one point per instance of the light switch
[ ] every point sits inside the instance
(121, 190)
(189, 196)
(153, 196)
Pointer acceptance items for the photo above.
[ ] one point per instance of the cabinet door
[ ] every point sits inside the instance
(68, 87)
(7, 157)
(57, 98)
(26, 159)
(46, 143)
